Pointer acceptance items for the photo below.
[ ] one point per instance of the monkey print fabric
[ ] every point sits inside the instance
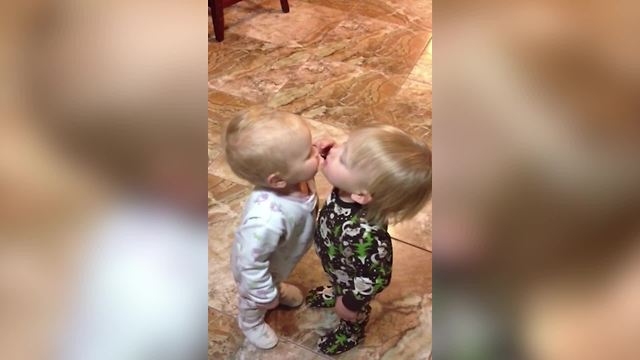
(356, 255)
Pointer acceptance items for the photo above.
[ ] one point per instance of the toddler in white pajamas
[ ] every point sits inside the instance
(272, 150)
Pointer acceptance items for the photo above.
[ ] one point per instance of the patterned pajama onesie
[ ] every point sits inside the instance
(275, 232)
(357, 257)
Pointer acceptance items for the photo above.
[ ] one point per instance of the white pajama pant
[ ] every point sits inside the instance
(249, 315)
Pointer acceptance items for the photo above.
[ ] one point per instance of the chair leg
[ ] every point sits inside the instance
(218, 18)
(285, 6)
(210, 5)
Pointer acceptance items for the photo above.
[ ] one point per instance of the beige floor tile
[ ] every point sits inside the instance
(416, 14)
(304, 25)
(424, 67)
(225, 339)
(373, 44)
(336, 93)
(417, 231)
(410, 110)
(252, 69)
(225, 208)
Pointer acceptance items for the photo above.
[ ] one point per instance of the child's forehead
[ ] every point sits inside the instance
(290, 137)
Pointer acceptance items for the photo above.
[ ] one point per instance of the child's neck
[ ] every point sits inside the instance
(345, 196)
(301, 190)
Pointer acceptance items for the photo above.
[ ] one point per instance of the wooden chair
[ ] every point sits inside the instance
(217, 14)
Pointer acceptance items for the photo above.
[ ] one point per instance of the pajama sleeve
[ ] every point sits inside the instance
(256, 241)
(371, 270)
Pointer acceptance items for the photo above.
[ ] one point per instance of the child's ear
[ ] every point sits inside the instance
(276, 181)
(362, 198)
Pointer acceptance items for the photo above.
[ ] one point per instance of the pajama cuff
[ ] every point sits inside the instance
(350, 302)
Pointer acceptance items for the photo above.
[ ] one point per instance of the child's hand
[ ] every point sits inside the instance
(324, 145)
(269, 306)
(343, 312)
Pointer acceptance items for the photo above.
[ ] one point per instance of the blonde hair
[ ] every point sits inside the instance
(396, 171)
(255, 143)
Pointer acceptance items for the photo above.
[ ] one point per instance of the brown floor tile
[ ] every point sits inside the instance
(336, 93)
(374, 44)
(226, 191)
(410, 110)
(423, 70)
(334, 4)
(414, 14)
(222, 107)
(225, 339)
(417, 231)
(304, 25)
(252, 69)
(285, 350)
(226, 201)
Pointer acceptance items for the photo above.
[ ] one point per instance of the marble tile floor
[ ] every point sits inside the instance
(340, 64)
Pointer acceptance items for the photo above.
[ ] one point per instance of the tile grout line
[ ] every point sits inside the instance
(280, 338)
(218, 310)
(412, 245)
(304, 347)
(416, 64)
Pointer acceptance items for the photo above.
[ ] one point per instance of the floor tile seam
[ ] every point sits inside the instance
(408, 27)
(302, 346)
(228, 178)
(412, 245)
(229, 315)
(419, 80)
(280, 337)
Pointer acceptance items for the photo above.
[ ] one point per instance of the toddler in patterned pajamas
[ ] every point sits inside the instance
(380, 174)
(273, 151)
